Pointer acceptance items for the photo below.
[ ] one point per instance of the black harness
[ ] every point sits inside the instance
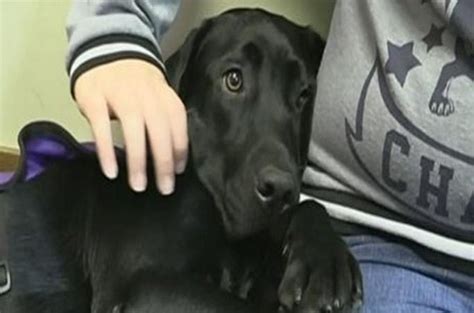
(53, 134)
(5, 277)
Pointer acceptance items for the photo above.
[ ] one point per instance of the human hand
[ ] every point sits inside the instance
(137, 94)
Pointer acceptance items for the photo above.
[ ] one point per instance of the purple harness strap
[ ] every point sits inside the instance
(41, 145)
(5, 177)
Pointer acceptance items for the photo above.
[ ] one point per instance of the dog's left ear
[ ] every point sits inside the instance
(305, 133)
(314, 48)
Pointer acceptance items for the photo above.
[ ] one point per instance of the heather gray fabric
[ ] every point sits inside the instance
(100, 31)
(394, 115)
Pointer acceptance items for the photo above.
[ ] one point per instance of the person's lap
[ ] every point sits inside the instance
(397, 280)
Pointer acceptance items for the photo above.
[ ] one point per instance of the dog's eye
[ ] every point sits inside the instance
(304, 97)
(233, 80)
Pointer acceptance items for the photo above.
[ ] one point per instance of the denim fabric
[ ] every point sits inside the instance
(398, 280)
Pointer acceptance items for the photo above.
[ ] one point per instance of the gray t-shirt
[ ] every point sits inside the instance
(394, 118)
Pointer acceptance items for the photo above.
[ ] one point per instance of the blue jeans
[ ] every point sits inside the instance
(397, 280)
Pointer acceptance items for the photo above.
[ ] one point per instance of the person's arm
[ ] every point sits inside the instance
(116, 70)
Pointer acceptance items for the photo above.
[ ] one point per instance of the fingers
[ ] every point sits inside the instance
(159, 134)
(144, 105)
(179, 132)
(133, 127)
(163, 118)
(97, 114)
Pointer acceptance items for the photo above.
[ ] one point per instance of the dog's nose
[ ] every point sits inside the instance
(275, 187)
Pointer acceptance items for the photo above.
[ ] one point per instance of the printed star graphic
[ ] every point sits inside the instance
(400, 61)
(433, 38)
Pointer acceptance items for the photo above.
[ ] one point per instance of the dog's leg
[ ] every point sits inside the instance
(321, 274)
(155, 293)
(441, 103)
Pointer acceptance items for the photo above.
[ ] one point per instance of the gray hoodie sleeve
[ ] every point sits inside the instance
(101, 31)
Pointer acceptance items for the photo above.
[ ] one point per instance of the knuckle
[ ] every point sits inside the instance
(131, 119)
(181, 111)
(86, 107)
(135, 155)
(83, 110)
(91, 103)
(165, 166)
(176, 106)
(181, 151)
(123, 110)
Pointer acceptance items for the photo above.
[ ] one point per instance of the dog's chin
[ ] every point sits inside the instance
(239, 223)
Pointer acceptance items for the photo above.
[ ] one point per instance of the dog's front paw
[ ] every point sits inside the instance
(441, 106)
(321, 274)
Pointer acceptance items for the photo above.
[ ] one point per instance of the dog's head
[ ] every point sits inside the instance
(248, 79)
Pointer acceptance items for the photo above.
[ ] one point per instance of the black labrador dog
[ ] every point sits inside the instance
(232, 238)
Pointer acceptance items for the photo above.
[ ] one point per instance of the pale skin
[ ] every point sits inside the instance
(137, 94)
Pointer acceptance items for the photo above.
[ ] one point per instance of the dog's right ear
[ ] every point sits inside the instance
(178, 62)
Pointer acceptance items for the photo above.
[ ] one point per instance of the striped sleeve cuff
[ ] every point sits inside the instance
(108, 49)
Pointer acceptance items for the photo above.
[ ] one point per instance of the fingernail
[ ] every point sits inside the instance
(111, 170)
(139, 182)
(180, 167)
(166, 185)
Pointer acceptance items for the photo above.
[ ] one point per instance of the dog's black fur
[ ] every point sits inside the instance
(79, 242)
